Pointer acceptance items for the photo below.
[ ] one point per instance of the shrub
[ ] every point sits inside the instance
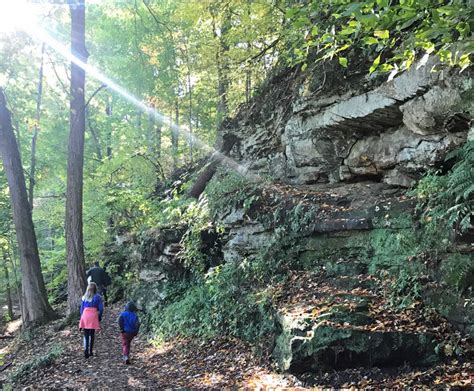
(223, 302)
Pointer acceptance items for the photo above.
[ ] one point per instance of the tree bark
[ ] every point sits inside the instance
(150, 135)
(108, 112)
(222, 63)
(158, 139)
(35, 306)
(210, 169)
(190, 101)
(14, 268)
(175, 135)
(35, 131)
(74, 193)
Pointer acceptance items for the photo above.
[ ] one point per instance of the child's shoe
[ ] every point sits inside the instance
(86, 354)
(126, 360)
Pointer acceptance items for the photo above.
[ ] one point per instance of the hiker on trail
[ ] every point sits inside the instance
(98, 275)
(91, 315)
(129, 325)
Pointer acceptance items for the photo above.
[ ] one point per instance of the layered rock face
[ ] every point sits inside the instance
(340, 161)
(391, 133)
(346, 157)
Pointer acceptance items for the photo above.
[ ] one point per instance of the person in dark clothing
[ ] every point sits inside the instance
(108, 282)
(129, 325)
(98, 276)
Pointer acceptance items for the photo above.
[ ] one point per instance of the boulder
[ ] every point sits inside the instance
(322, 347)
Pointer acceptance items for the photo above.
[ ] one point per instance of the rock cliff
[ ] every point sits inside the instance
(390, 133)
(332, 211)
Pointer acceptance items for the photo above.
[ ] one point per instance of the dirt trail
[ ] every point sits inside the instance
(188, 364)
(104, 369)
(182, 364)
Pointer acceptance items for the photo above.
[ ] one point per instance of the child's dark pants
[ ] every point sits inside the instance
(126, 341)
(88, 341)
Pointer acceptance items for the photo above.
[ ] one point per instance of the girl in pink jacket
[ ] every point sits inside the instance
(91, 315)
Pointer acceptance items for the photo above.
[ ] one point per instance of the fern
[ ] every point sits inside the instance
(451, 198)
(461, 181)
(457, 272)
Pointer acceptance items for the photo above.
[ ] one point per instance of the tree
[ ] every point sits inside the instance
(35, 306)
(74, 192)
(35, 131)
(7, 285)
(220, 33)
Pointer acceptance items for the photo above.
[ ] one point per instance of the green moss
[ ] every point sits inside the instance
(327, 346)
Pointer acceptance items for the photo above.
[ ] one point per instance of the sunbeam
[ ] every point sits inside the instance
(38, 33)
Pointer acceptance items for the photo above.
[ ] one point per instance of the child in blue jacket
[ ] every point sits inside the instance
(129, 325)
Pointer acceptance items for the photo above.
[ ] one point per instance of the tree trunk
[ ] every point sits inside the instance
(18, 137)
(14, 268)
(222, 63)
(210, 169)
(190, 95)
(158, 139)
(190, 101)
(35, 131)
(108, 150)
(175, 135)
(150, 135)
(74, 234)
(108, 112)
(7, 282)
(35, 306)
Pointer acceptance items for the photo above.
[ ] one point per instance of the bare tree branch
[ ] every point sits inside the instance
(102, 86)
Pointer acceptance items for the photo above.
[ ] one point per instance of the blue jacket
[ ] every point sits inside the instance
(96, 302)
(128, 320)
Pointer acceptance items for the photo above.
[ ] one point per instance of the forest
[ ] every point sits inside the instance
(281, 190)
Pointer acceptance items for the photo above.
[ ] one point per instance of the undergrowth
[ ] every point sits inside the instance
(237, 298)
(450, 198)
(223, 303)
(37, 362)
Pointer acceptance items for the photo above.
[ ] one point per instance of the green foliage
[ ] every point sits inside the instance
(457, 272)
(37, 362)
(235, 298)
(391, 34)
(230, 190)
(176, 54)
(405, 289)
(449, 199)
(57, 286)
(197, 219)
(224, 302)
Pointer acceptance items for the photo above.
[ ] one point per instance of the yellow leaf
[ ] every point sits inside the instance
(384, 34)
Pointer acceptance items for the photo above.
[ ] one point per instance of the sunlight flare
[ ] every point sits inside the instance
(15, 15)
(38, 33)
